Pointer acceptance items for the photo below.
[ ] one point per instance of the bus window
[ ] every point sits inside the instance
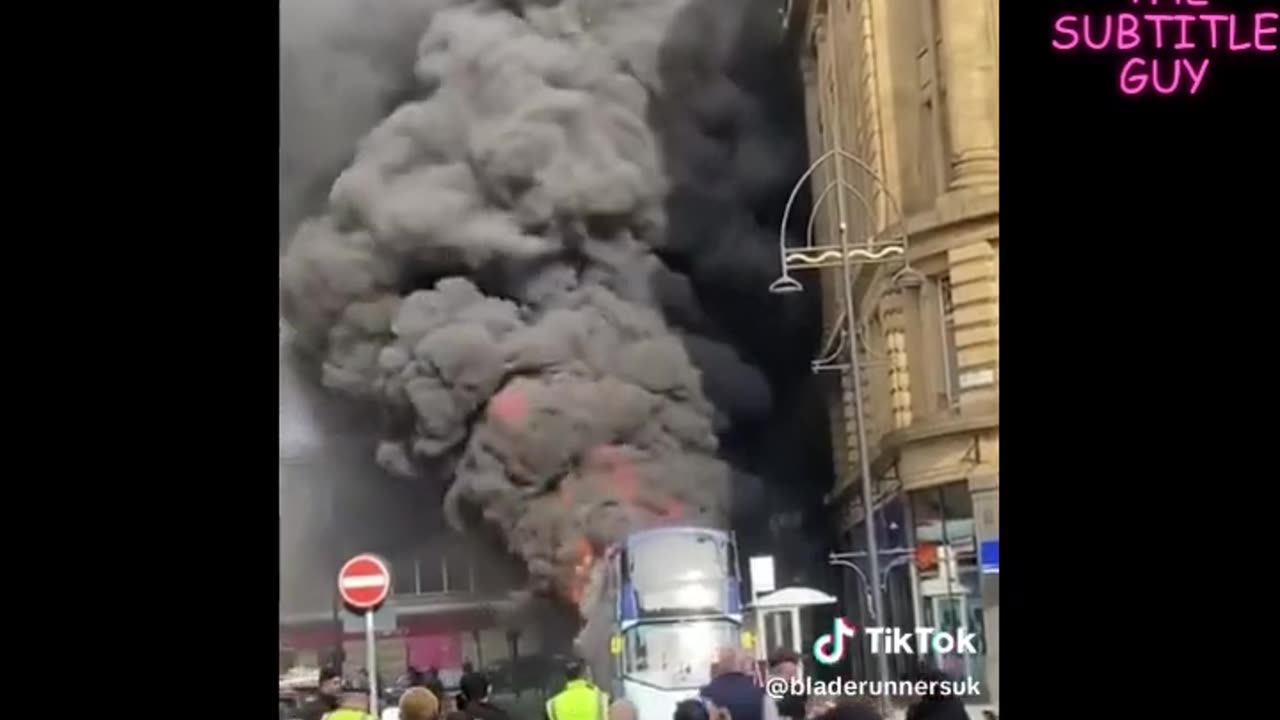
(680, 571)
(675, 656)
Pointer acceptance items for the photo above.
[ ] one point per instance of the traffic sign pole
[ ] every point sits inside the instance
(371, 660)
(364, 583)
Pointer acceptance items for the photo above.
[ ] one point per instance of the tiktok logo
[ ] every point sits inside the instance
(829, 648)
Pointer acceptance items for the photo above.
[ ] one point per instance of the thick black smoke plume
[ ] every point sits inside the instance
(514, 265)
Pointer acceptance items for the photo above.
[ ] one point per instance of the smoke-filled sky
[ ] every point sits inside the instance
(537, 235)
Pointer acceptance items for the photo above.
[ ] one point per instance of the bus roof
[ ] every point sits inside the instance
(685, 530)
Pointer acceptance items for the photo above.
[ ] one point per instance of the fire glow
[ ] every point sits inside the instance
(581, 572)
(1189, 30)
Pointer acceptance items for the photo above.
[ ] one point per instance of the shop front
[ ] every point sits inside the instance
(932, 574)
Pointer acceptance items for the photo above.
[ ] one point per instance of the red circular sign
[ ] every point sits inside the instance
(364, 582)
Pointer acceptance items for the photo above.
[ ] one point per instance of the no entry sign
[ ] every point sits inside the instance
(364, 582)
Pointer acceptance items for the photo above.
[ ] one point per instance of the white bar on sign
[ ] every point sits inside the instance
(366, 581)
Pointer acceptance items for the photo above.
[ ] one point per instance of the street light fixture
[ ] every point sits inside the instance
(876, 247)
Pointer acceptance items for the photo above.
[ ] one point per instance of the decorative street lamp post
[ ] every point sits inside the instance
(877, 246)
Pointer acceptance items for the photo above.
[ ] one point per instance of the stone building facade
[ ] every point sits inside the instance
(910, 89)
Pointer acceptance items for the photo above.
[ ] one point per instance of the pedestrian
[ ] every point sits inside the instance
(327, 698)
(785, 664)
(432, 682)
(461, 699)
(475, 690)
(851, 710)
(579, 700)
(691, 709)
(418, 703)
(623, 709)
(354, 706)
(935, 705)
(734, 694)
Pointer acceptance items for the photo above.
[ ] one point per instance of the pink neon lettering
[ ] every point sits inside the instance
(1127, 31)
(1135, 77)
(1197, 3)
(1106, 33)
(1132, 83)
(1155, 77)
(1234, 47)
(1213, 28)
(1184, 44)
(1196, 78)
(1158, 21)
(1061, 26)
(1259, 31)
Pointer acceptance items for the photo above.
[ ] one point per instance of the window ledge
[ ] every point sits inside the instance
(982, 417)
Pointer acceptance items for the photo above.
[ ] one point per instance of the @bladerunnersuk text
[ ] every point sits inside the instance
(778, 687)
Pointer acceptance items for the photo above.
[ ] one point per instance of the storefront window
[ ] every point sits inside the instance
(957, 511)
(404, 576)
(893, 540)
(947, 568)
(430, 574)
(457, 568)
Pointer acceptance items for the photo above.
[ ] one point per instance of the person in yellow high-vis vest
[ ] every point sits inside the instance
(579, 700)
(355, 706)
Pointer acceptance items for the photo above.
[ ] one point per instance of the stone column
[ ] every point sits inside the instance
(975, 297)
(893, 318)
(968, 68)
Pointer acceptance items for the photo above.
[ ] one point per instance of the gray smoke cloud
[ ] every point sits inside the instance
(344, 64)
(494, 266)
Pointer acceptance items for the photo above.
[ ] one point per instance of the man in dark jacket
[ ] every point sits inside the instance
(786, 665)
(327, 698)
(733, 694)
(475, 688)
(460, 700)
(937, 706)
(432, 682)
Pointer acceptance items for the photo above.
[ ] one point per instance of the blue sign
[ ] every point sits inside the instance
(989, 556)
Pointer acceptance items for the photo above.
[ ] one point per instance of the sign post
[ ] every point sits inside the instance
(364, 583)
(762, 582)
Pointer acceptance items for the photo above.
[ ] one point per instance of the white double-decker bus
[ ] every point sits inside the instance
(672, 599)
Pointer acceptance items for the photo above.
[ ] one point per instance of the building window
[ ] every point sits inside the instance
(431, 575)
(458, 575)
(934, 159)
(404, 576)
(950, 356)
(936, 380)
(489, 578)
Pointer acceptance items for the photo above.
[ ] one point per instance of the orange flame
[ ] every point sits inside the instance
(581, 572)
